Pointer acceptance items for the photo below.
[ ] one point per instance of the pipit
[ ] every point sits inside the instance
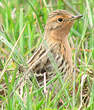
(56, 42)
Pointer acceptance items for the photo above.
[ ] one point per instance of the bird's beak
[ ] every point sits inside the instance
(76, 17)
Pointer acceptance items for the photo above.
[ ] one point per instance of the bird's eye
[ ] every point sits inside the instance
(60, 19)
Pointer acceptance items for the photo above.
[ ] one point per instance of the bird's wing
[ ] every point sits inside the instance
(40, 57)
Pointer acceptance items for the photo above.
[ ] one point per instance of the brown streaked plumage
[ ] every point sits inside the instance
(57, 28)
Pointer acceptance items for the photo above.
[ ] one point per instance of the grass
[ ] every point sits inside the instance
(17, 44)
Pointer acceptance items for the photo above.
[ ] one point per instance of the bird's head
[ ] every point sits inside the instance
(59, 24)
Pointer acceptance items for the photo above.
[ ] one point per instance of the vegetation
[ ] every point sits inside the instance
(23, 26)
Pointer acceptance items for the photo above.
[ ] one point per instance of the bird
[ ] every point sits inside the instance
(55, 42)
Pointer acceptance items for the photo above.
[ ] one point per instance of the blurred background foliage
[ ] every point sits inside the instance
(14, 14)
